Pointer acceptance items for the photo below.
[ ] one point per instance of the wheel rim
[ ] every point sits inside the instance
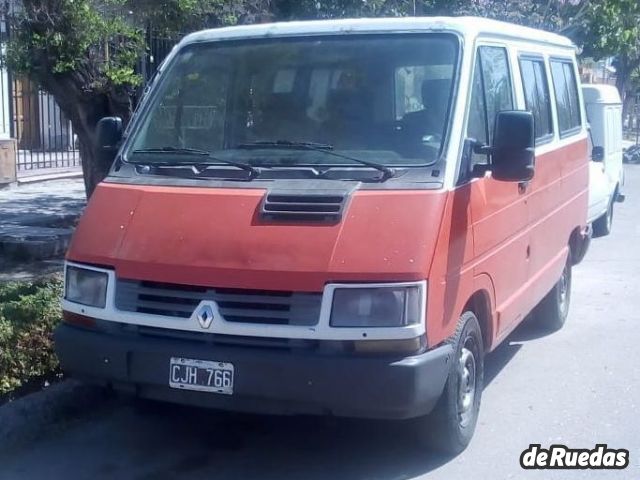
(467, 383)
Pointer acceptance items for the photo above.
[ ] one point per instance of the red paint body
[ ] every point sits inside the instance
(488, 238)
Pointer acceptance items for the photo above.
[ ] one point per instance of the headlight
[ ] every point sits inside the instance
(376, 307)
(85, 286)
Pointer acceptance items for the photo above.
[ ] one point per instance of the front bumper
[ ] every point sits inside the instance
(267, 380)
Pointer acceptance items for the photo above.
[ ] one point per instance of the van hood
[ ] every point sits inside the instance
(214, 237)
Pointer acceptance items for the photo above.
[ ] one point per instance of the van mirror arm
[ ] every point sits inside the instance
(480, 169)
(482, 148)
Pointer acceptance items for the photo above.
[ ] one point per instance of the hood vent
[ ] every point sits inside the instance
(324, 207)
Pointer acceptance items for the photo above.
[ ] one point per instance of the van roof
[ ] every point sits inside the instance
(600, 93)
(466, 26)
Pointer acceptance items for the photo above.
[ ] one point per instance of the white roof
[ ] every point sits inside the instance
(466, 26)
(600, 93)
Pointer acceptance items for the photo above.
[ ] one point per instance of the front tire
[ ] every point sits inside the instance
(552, 311)
(450, 426)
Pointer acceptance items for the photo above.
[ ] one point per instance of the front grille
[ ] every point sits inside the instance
(235, 305)
(322, 347)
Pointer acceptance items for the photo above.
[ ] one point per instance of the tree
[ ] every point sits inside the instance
(312, 9)
(553, 15)
(612, 29)
(84, 53)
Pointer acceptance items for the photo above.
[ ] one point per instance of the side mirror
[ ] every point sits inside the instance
(513, 149)
(597, 154)
(108, 136)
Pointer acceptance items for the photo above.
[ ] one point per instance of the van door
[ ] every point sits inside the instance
(499, 209)
(559, 188)
(546, 188)
(613, 147)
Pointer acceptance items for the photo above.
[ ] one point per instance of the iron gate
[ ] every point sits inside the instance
(43, 134)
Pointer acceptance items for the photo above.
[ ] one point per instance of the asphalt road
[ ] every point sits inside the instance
(578, 387)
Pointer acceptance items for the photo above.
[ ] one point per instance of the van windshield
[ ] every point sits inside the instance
(381, 99)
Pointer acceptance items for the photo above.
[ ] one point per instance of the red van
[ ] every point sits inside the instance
(333, 217)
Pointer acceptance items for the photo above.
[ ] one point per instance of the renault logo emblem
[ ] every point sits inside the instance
(205, 316)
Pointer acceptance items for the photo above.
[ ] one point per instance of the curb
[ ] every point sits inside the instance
(25, 180)
(45, 178)
(26, 417)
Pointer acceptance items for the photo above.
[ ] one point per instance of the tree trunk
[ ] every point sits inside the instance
(92, 171)
(84, 109)
(622, 78)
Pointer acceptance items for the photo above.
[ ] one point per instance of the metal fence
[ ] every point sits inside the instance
(44, 136)
(158, 47)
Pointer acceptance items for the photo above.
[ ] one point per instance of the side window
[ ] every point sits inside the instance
(477, 126)
(491, 93)
(567, 100)
(497, 83)
(537, 98)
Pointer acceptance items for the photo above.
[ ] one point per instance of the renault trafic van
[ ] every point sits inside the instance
(333, 217)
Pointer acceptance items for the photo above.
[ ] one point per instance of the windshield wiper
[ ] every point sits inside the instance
(285, 144)
(387, 172)
(253, 172)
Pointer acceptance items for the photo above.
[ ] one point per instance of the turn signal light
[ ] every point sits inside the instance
(407, 347)
(78, 320)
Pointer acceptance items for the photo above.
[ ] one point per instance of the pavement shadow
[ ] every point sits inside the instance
(42, 205)
(497, 360)
(229, 446)
(268, 447)
(143, 441)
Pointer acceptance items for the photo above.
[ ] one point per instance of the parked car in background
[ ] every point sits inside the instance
(333, 217)
(606, 173)
(631, 154)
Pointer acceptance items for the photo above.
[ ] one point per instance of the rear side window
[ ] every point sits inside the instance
(567, 100)
(537, 98)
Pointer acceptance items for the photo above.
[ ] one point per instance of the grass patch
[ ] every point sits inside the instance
(29, 311)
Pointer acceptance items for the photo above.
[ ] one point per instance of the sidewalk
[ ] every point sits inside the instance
(36, 223)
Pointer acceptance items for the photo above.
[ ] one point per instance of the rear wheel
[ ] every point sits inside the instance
(602, 225)
(553, 310)
(450, 426)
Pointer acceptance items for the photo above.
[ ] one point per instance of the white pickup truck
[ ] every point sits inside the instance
(606, 174)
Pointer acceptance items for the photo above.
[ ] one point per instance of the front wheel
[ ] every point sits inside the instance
(450, 426)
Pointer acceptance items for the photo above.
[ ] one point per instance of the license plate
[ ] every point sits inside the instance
(201, 375)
